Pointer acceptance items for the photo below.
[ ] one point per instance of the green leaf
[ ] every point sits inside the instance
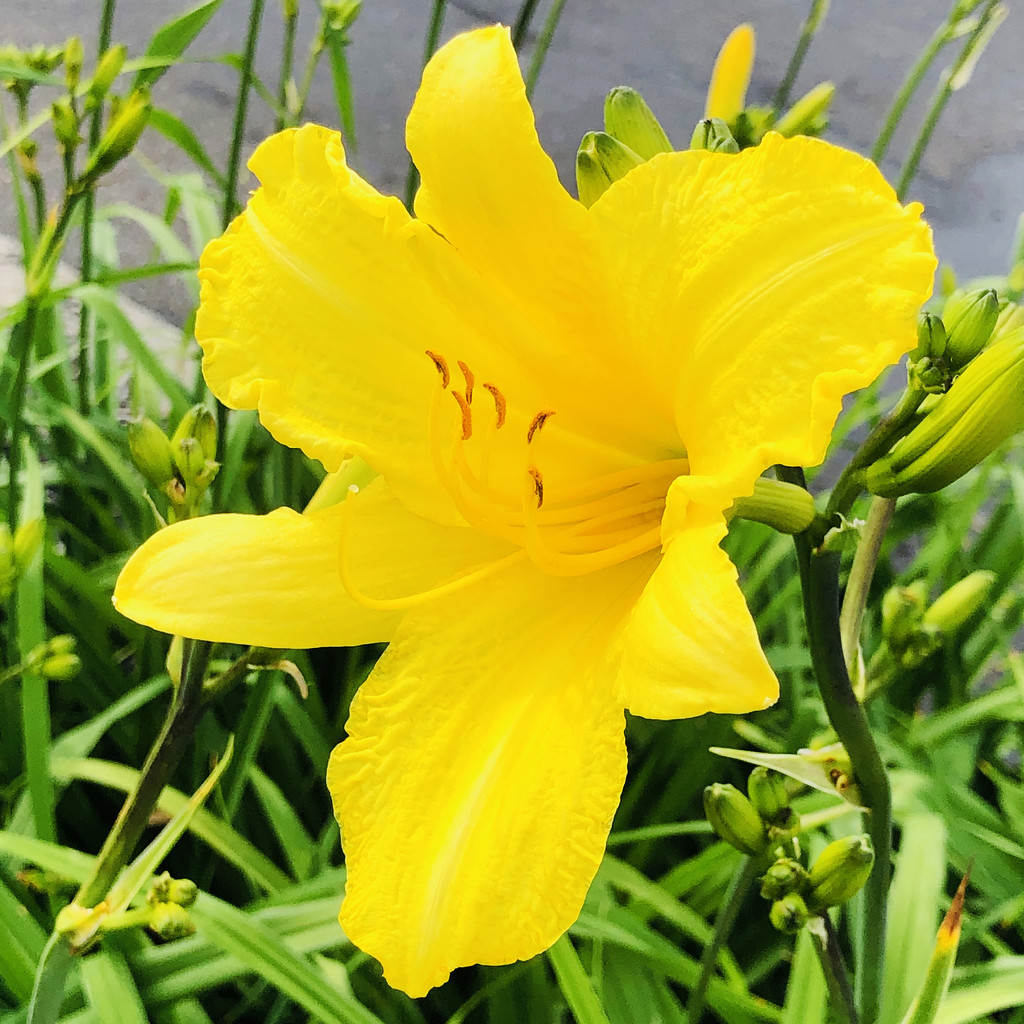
(574, 983)
(807, 991)
(110, 988)
(171, 40)
(51, 976)
(174, 129)
(22, 945)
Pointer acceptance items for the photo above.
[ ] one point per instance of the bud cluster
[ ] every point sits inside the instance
(181, 467)
(754, 822)
(55, 659)
(168, 899)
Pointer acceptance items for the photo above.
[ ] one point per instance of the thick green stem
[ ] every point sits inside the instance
(826, 945)
(738, 888)
(175, 735)
(819, 579)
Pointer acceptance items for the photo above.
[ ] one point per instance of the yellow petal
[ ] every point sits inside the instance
(691, 645)
(273, 580)
(761, 288)
(481, 773)
(730, 77)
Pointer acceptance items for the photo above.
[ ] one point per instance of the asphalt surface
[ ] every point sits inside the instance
(971, 180)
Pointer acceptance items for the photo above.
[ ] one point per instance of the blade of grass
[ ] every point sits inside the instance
(574, 983)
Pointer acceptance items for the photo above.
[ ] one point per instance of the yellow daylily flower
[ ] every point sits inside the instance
(560, 402)
(730, 77)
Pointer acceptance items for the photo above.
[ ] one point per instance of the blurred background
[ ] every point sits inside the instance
(971, 179)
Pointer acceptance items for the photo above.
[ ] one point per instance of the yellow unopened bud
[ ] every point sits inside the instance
(782, 878)
(809, 115)
(107, 70)
(956, 606)
(600, 161)
(733, 817)
(200, 424)
(74, 55)
(768, 794)
(789, 914)
(125, 130)
(713, 134)
(970, 319)
(840, 871)
(28, 539)
(628, 119)
(730, 76)
(65, 123)
(170, 921)
(150, 451)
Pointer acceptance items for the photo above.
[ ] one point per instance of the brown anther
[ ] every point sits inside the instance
(538, 484)
(442, 368)
(468, 374)
(499, 404)
(467, 414)
(537, 422)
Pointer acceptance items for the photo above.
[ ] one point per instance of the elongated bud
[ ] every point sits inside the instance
(628, 119)
(713, 134)
(8, 570)
(789, 914)
(188, 457)
(956, 606)
(200, 424)
(341, 13)
(840, 871)
(43, 58)
(902, 610)
(125, 130)
(107, 70)
(28, 539)
(727, 90)
(980, 411)
(809, 115)
(170, 921)
(767, 792)
(783, 877)
(785, 507)
(931, 337)
(733, 817)
(600, 161)
(74, 55)
(150, 451)
(970, 320)
(65, 123)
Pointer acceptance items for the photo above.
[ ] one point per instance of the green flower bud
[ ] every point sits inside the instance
(340, 13)
(188, 457)
(628, 119)
(44, 58)
(201, 424)
(733, 817)
(981, 410)
(600, 161)
(170, 921)
(970, 319)
(60, 666)
(768, 794)
(8, 570)
(785, 876)
(74, 55)
(150, 451)
(71, 918)
(902, 610)
(28, 539)
(931, 337)
(63, 643)
(289, 9)
(840, 871)
(125, 130)
(713, 134)
(809, 115)
(182, 891)
(784, 507)
(107, 70)
(789, 914)
(953, 608)
(65, 123)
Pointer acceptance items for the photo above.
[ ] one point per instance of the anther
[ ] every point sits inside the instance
(538, 484)
(499, 404)
(468, 374)
(537, 422)
(442, 368)
(467, 414)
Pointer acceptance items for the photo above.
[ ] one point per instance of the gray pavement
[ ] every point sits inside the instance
(972, 179)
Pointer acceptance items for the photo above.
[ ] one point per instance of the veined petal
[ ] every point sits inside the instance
(273, 580)
(482, 770)
(691, 645)
(763, 287)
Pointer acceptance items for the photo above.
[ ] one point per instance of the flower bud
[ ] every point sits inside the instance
(733, 817)
(150, 451)
(714, 135)
(789, 914)
(71, 918)
(931, 337)
(289, 9)
(125, 130)
(188, 457)
(840, 871)
(956, 606)
(43, 58)
(727, 90)
(170, 921)
(62, 643)
(340, 13)
(8, 570)
(809, 115)
(60, 667)
(182, 891)
(65, 123)
(107, 70)
(902, 610)
(600, 161)
(28, 539)
(74, 55)
(768, 794)
(785, 876)
(784, 507)
(628, 119)
(970, 319)
(201, 424)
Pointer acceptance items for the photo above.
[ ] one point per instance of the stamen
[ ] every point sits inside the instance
(538, 484)
(442, 368)
(468, 374)
(467, 414)
(412, 600)
(537, 422)
(500, 406)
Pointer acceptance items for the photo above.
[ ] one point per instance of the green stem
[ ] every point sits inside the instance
(433, 37)
(977, 36)
(287, 62)
(241, 109)
(315, 51)
(522, 22)
(85, 319)
(176, 733)
(819, 580)
(861, 573)
(816, 15)
(727, 912)
(834, 968)
(540, 51)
